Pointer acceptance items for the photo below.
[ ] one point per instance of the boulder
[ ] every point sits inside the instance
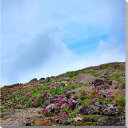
(51, 107)
(42, 79)
(109, 110)
(115, 122)
(64, 105)
(76, 119)
(74, 104)
(102, 82)
(68, 121)
(90, 110)
(85, 78)
(74, 97)
(99, 109)
(33, 80)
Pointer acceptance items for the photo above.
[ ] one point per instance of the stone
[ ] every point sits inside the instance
(42, 79)
(45, 80)
(115, 84)
(67, 122)
(90, 110)
(85, 78)
(109, 110)
(63, 84)
(51, 107)
(115, 122)
(74, 97)
(74, 104)
(99, 109)
(102, 84)
(97, 104)
(76, 119)
(64, 105)
(68, 95)
(33, 80)
(65, 99)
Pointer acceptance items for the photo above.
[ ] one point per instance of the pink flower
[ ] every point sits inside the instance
(98, 94)
(92, 89)
(28, 94)
(34, 103)
(70, 103)
(111, 95)
(32, 97)
(61, 100)
(57, 86)
(64, 114)
(117, 91)
(43, 95)
(25, 87)
(15, 92)
(46, 111)
(66, 90)
(70, 90)
(22, 100)
(94, 99)
(24, 93)
(49, 103)
(70, 81)
(45, 92)
(56, 100)
(59, 108)
(10, 96)
(50, 87)
(85, 93)
(56, 119)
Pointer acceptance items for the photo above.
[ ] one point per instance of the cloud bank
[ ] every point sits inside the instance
(41, 39)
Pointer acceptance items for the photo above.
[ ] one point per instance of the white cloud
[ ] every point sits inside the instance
(33, 30)
(33, 55)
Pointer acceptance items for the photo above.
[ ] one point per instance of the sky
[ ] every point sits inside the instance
(46, 38)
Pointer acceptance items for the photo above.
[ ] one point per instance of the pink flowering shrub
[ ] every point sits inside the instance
(85, 93)
(45, 92)
(11, 96)
(50, 87)
(61, 100)
(59, 108)
(98, 94)
(92, 89)
(118, 91)
(22, 100)
(47, 113)
(94, 99)
(111, 95)
(64, 114)
(70, 103)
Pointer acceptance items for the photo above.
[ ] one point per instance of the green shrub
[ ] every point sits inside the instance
(119, 100)
(117, 76)
(74, 113)
(123, 85)
(1, 115)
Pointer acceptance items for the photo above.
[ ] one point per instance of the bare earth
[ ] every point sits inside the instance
(20, 117)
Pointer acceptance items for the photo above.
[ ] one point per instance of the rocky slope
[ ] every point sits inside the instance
(92, 96)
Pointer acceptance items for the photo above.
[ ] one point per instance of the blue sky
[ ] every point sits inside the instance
(42, 38)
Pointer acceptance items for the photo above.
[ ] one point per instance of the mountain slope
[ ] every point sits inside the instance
(91, 96)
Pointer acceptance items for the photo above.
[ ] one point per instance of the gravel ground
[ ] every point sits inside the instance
(20, 117)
